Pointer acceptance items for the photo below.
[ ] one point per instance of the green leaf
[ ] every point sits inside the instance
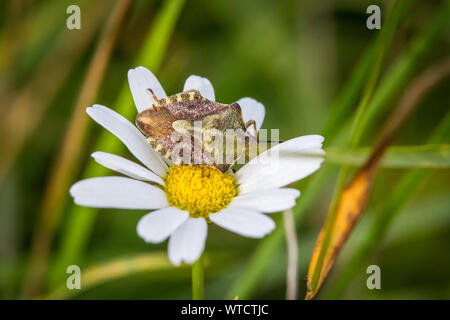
(426, 156)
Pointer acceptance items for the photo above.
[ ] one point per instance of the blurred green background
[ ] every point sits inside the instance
(299, 59)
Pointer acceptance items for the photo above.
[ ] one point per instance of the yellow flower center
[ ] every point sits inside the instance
(200, 190)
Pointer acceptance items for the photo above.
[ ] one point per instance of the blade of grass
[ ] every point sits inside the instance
(424, 156)
(351, 92)
(35, 97)
(390, 85)
(364, 105)
(129, 265)
(403, 192)
(66, 160)
(80, 219)
(29, 34)
(246, 283)
(403, 69)
(112, 270)
(410, 224)
(347, 209)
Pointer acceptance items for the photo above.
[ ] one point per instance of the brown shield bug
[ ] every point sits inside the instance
(171, 126)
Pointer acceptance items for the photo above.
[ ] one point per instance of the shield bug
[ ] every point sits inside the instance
(187, 128)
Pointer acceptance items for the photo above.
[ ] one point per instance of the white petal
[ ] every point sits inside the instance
(141, 80)
(201, 84)
(252, 110)
(188, 241)
(130, 136)
(117, 192)
(157, 226)
(126, 167)
(267, 201)
(282, 164)
(244, 221)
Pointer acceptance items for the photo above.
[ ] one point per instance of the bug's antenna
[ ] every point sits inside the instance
(153, 94)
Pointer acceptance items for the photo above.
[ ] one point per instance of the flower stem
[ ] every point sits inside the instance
(292, 246)
(197, 280)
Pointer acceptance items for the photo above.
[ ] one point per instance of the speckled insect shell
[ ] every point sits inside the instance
(170, 118)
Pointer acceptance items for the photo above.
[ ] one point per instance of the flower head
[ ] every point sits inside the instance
(199, 190)
(185, 198)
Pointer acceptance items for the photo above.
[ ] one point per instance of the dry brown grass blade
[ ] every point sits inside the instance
(354, 196)
(68, 157)
(27, 109)
(113, 270)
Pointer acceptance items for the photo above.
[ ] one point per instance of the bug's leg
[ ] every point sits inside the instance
(252, 123)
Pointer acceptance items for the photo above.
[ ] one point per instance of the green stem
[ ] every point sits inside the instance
(198, 280)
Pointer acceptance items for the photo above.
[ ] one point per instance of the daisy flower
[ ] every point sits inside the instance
(186, 198)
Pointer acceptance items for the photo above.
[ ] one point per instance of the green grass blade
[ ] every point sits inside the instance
(351, 92)
(246, 283)
(402, 70)
(407, 186)
(80, 220)
(113, 270)
(365, 114)
(424, 156)
(357, 128)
